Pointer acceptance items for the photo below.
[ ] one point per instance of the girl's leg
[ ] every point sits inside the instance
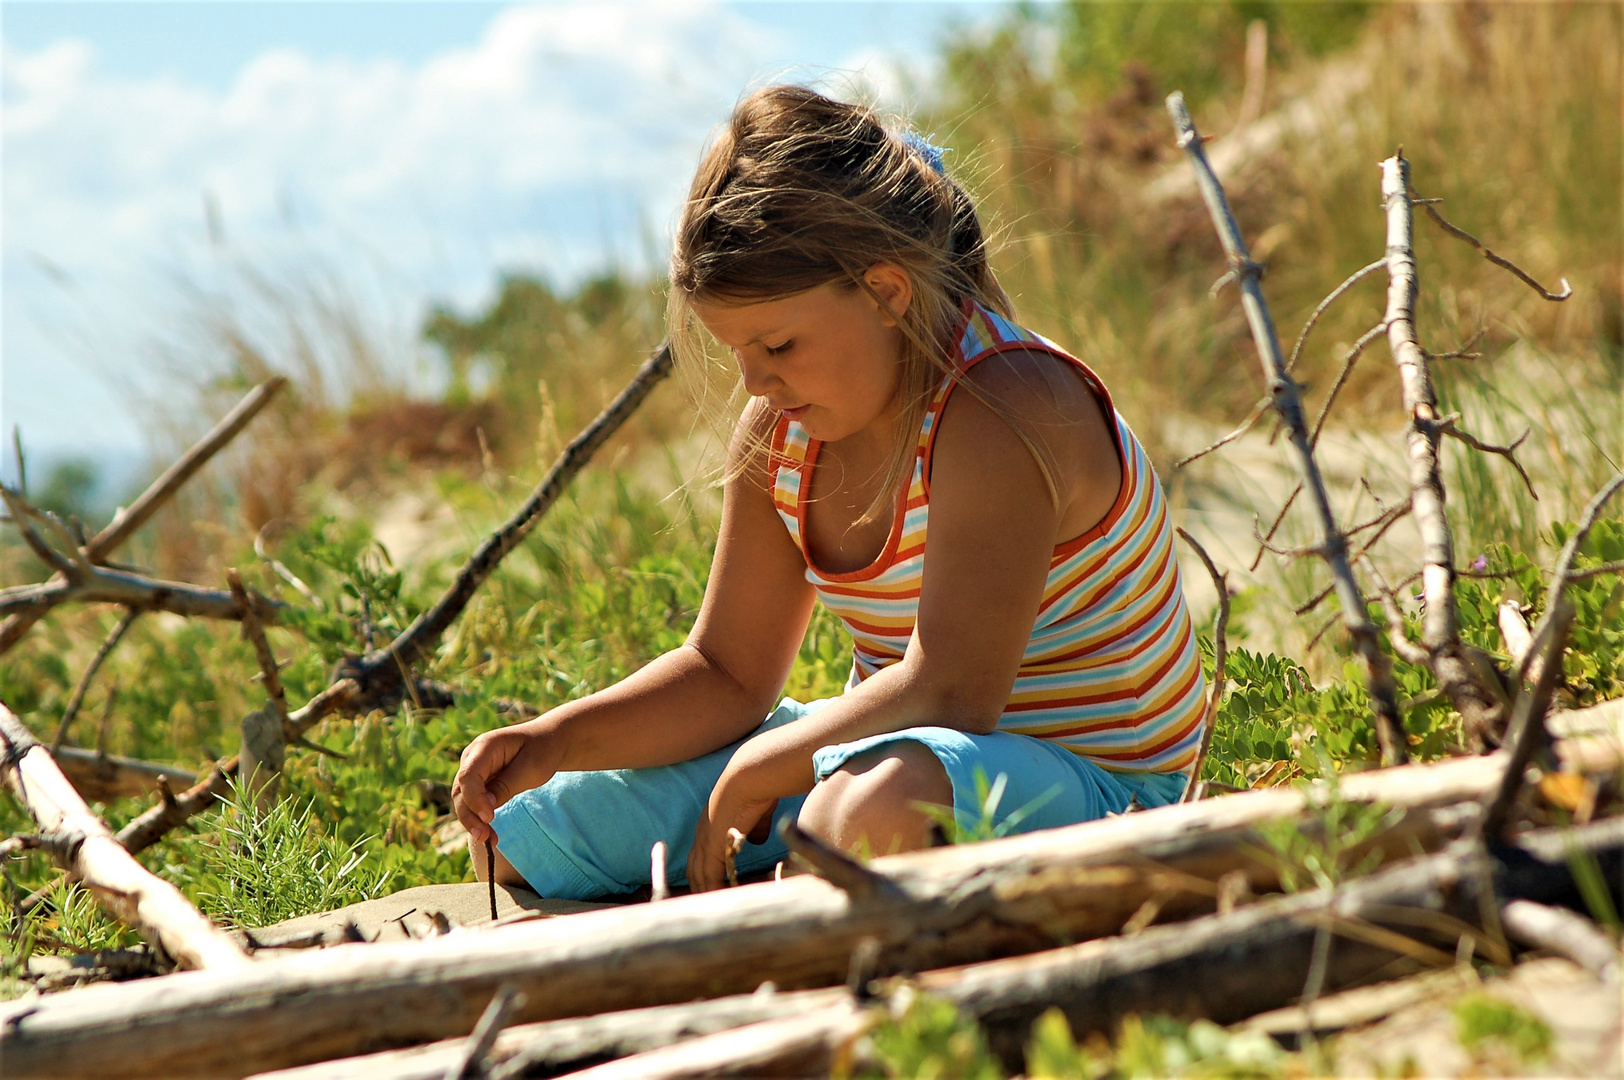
(871, 803)
(505, 874)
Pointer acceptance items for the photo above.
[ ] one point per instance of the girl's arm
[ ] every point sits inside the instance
(993, 530)
(714, 689)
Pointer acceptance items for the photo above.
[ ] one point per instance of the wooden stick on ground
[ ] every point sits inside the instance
(128, 520)
(150, 904)
(964, 903)
(1333, 544)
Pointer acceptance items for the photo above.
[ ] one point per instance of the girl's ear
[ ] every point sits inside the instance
(890, 283)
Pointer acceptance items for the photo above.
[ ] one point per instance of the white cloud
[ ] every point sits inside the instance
(561, 140)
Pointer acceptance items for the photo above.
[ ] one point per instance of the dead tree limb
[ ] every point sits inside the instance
(1288, 405)
(963, 904)
(150, 904)
(379, 674)
(126, 521)
(85, 680)
(1220, 660)
(1440, 627)
(1565, 933)
(104, 777)
(382, 677)
(1325, 305)
(1504, 264)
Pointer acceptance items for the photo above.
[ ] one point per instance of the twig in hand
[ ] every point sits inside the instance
(1503, 263)
(1245, 425)
(1449, 425)
(94, 666)
(1324, 305)
(735, 844)
(1220, 659)
(490, 873)
(471, 1061)
(659, 887)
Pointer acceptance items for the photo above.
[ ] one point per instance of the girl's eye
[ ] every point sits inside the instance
(780, 350)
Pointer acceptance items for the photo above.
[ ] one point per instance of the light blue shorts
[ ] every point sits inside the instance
(584, 835)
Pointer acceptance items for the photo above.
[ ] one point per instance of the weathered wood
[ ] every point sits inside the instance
(1564, 933)
(964, 904)
(105, 777)
(1333, 542)
(122, 885)
(1478, 705)
(561, 1046)
(1222, 967)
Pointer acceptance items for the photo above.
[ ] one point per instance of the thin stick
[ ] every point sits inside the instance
(1324, 305)
(1526, 732)
(1348, 360)
(96, 662)
(1504, 264)
(1449, 426)
(1288, 406)
(1274, 526)
(254, 631)
(835, 866)
(508, 1000)
(490, 874)
(1220, 659)
(1245, 425)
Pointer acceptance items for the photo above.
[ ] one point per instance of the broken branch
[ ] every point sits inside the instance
(1220, 660)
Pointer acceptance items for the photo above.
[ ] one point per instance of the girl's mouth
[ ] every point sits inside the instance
(795, 413)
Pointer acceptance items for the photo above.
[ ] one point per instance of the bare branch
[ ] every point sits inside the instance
(107, 586)
(1324, 306)
(1397, 634)
(1274, 526)
(1477, 702)
(1220, 660)
(1350, 358)
(1464, 352)
(20, 618)
(1310, 551)
(1503, 263)
(22, 516)
(254, 631)
(1288, 406)
(283, 572)
(85, 680)
(1615, 567)
(1246, 425)
(1449, 426)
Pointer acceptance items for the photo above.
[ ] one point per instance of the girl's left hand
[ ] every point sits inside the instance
(730, 807)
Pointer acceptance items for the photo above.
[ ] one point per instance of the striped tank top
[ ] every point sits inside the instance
(1111, 671)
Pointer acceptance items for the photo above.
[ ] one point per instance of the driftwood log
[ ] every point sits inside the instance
(85, 847)
(957, 905)
(1221, 967)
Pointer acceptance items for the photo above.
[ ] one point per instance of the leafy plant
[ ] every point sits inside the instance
(254, 866)
(960, 827)
(928, 1038)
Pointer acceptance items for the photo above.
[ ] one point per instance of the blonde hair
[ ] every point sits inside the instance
(799, 190)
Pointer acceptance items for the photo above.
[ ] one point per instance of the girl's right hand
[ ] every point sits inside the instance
(497, 766)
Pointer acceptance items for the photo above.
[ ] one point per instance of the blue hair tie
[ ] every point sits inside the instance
(927, 150)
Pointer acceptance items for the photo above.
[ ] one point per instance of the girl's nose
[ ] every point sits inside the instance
(757, 374)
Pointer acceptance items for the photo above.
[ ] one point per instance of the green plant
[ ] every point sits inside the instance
(1328, 852)
(928, 1038)
(961, 827)
(1491, 1028)
(253, 866)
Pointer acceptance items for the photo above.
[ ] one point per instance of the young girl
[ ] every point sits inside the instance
(958, 490)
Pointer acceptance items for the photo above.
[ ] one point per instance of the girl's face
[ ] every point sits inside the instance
(829, 357)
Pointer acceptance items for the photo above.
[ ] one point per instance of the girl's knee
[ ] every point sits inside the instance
(873, 802)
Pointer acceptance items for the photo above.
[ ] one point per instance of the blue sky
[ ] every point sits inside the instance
(390, 153)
